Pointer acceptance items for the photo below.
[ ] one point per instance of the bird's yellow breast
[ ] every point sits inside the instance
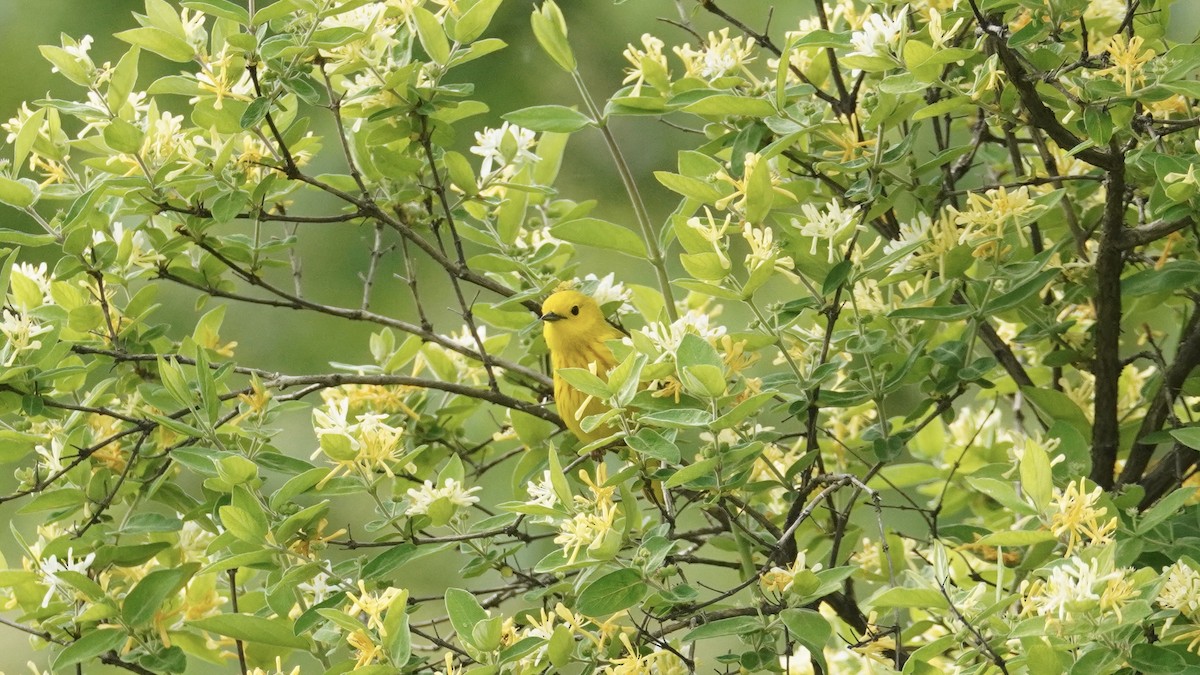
(574, 405)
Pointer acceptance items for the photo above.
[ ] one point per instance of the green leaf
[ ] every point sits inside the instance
(277, 10)
(94, 642)
(810, 629)
(221, 8)
(650, 443)
(476, 20)
(561, 646)
(1174, 275)
(677, 418)
(743, 410)
(1036, 478)
(1003, 492)
(1189, 436)
(1153, 659)
(925, 598)
(20, 194)
(395, 624)
(1165, 508)
(123, 136)
(71, 67)
(692, 188)
(550, 29)
(707, 266)
(583, 380)
(689, 473)
(1020, 293)
(612, 593)
(27, 136)
(256, 112)
(945, 106)
(160, 42)
(250, 628)
(823, 38)
(1017, 538)
(122, 80)
(549, 118)
(297, 485)
(431, 34)
(304, 518)
(1055, 405)
(465, 611)
(16, 445)
(601, 234)
(695, 350)
(729, 104)
(934, 313)
(737, 625)
(152, 591)
(461, 173)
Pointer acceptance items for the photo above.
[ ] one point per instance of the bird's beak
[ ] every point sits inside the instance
(551, 316)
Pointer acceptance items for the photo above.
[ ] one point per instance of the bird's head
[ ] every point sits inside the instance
(571, 317)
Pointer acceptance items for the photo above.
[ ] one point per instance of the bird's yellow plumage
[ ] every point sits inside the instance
(575, 332)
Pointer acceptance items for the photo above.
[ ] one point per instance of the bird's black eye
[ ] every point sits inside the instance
(575, 310)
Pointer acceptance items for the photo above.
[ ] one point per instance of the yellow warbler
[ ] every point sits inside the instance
(575, 332)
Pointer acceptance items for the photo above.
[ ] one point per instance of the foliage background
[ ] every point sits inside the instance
(518, 77)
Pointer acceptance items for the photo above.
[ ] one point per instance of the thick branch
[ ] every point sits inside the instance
(1106, 366)
(1040, 115)
(1187, 358)
(1149, 232)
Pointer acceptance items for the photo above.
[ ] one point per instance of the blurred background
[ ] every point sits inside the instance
(516, 77)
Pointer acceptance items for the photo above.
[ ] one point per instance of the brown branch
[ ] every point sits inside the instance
(1168, 474)
(1026, 85)
(1138, 236)
(324, 381)
(1106, 365)
(292, 301)
(1187, 357)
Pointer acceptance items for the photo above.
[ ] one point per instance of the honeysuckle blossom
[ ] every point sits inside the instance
(880, 34)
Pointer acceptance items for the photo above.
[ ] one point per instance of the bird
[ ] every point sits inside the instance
(576, 330)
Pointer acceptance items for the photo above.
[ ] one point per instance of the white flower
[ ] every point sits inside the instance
(541, 493)
(879, 35)
(194, 541)
(52, 456)
(333, 419)
(1070, 587)
(652, 54)
(39, 276)
(193, 27)
(50, 567)
(452, 491)
(317, 589)
(1181, 590)
(722, 56)
(667, 337)
(830, 225)
(509, 160)
(19, 331)
(607, 290)
(464, 338)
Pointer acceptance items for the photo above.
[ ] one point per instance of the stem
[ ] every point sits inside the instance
(653, 251)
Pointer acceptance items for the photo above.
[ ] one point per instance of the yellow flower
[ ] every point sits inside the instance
(372, 606)
(1077, 517)
(1127, 57)
(367, 650)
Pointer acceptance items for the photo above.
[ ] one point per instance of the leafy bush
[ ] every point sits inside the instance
(909, 388)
